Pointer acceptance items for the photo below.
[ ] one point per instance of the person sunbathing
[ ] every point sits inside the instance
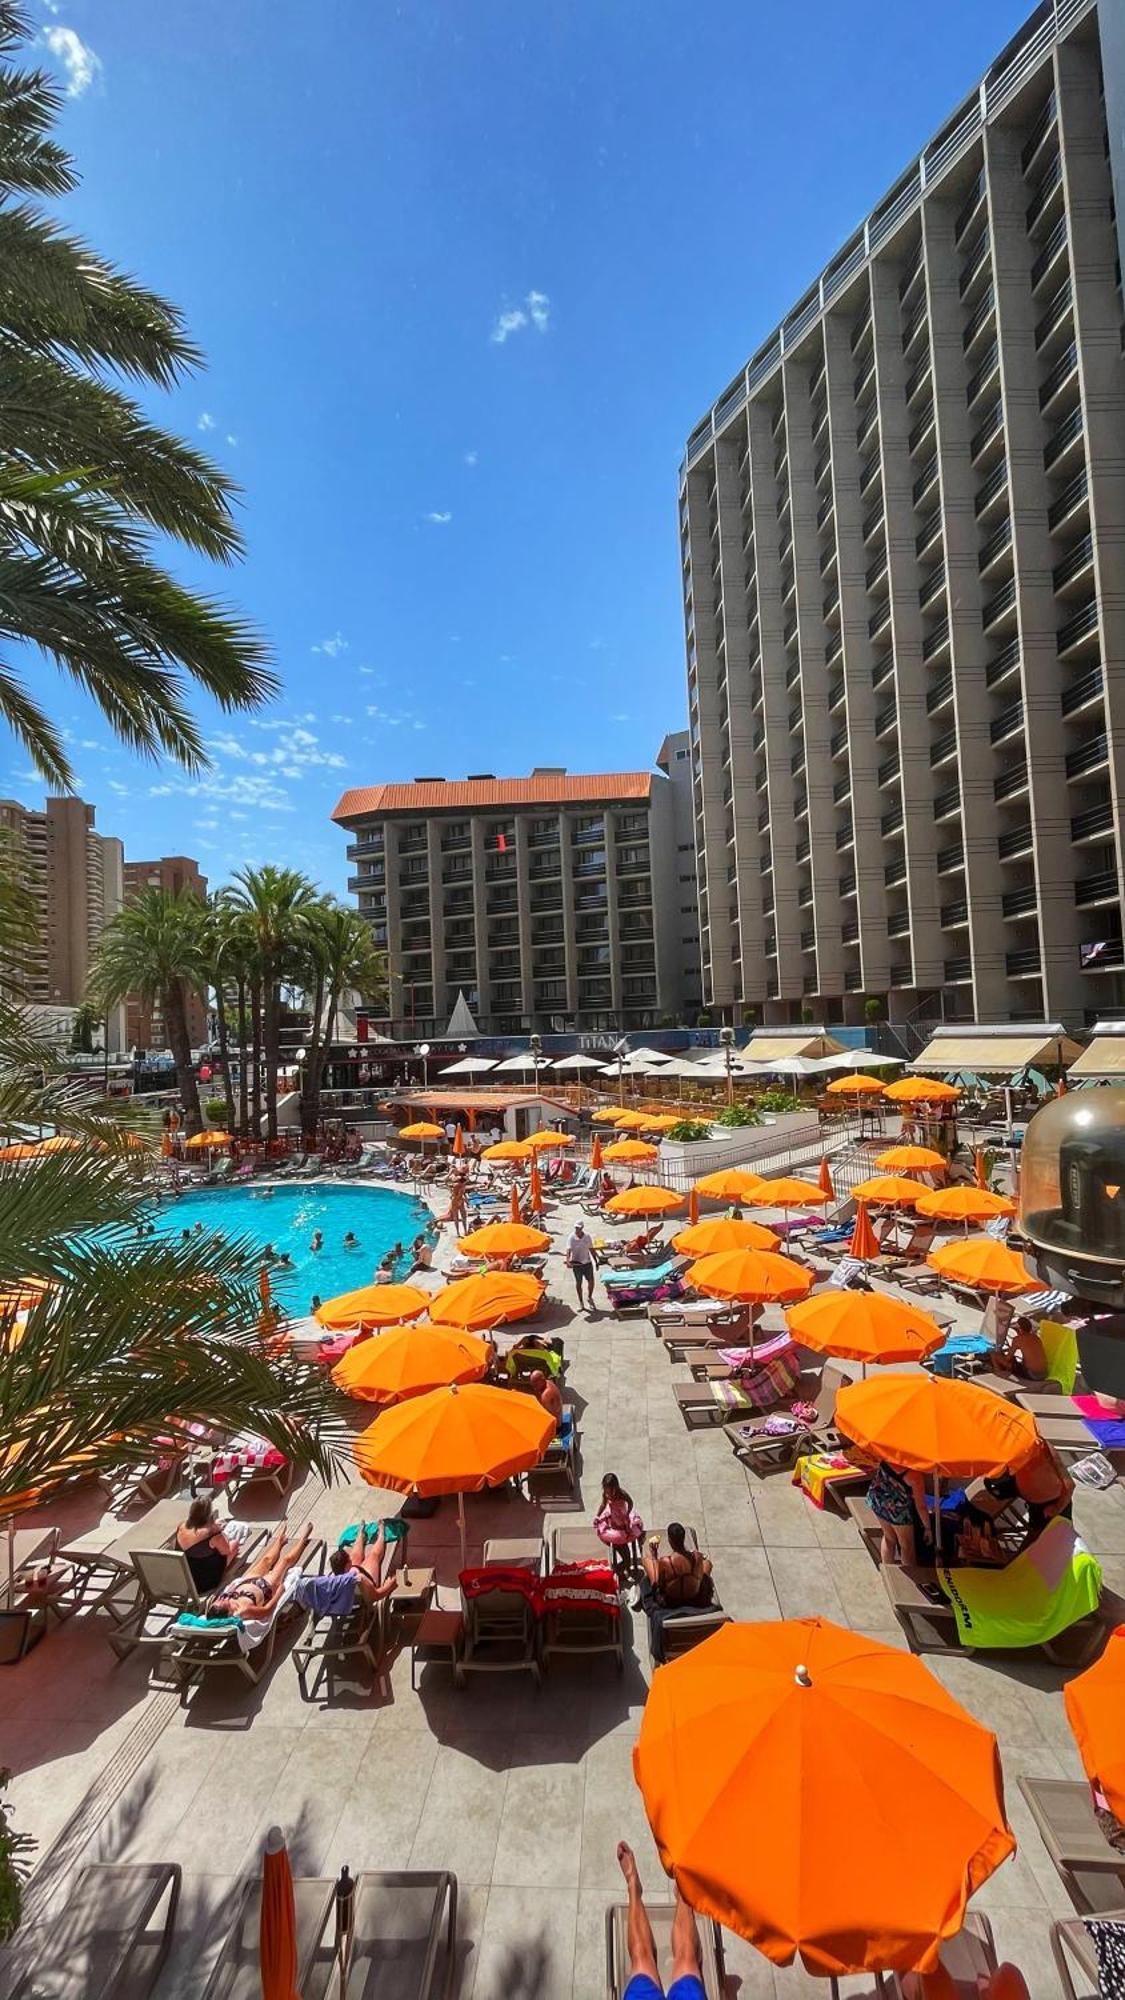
(681, 1577)
(258, 1593)
(546, 1392)
(207, 1547)
(356, 1573)
(644, 1970)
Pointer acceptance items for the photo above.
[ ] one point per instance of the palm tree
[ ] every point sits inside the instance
(219, 944)
(88, 485)
(276, 901)
(154, 948)
(339, 956)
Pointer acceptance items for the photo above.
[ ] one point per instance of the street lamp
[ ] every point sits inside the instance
(424, 1051)
(621, 1051)
(535, 1047)
(726, 1040)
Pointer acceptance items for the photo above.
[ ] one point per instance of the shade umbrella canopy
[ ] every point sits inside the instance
(372, 1305)
(492, 1298)
(864, 1243)
(277, 1923)
(824, 1180)
(607, 1114)
(577, 1062)
(597, 1157)
(1095, 1704)
(409, 1361)
(788, 1192)
(890, 1190)
(207, 1139)
(545, 1142)
(644, 1201)
(459, 1143)
(661, 1121)
(730, 1184)
(921, 1090)
(505, 1239)
(723, 1232)
(469, 1066)
(508, 1149)
(423, 1130)
(863, 1059)
(911, 1160)
(515, 1213)
(932, 1423)
(754, 1276)
(535, 1188)
(631, 1151)
(864, 1326)
(748, 1745)
(855, 1086)
(630, 1121)
(964, 1204)
(983, 1264)
(514, 1064)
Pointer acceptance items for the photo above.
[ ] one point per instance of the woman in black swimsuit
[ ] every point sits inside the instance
(257, 1594)
(201, 1540)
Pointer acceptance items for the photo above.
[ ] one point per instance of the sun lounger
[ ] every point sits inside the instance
(1070, 1940)
(772, 1450)
(245, 1644)
(112, 1566)
(700, 1406)
(360, 1635)
(660, 1916)
(561, 1455)
(928, 1617)
(569, 1625)
(1092, 1872)
(967, 1957)
(103, 1941)
(166, 1588)
(402, 1939)
(499, 1637)
(576, 1545)
(696, 1313)
(238, 1970)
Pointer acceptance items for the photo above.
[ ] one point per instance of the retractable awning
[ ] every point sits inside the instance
(997, 1051)
(1104, 1056)
(779, 1047)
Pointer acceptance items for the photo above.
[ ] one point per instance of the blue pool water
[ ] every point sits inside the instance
(287, 1218)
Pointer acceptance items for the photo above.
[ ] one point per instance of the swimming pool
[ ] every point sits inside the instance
(288, 1216)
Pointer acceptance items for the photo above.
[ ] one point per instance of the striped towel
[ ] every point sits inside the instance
(245, 1454)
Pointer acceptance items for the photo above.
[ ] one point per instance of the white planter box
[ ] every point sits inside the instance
(731, 1145)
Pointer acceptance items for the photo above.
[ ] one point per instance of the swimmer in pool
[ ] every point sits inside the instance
(351, 1241)
(317, 1242)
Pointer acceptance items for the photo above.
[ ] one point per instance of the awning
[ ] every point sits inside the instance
(782, 1047)
(1105, 1056)
(996, 1054)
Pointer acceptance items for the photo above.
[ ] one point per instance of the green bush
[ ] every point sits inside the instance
(15, 1862)
(215, 1110)
(778, 1100)
(689, 1130)
(738, 1114)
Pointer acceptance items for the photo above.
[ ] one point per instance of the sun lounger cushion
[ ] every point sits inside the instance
(640, 1279)
(1045, 1591)
(815, 1472)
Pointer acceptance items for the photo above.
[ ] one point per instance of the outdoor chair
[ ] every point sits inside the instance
(930, 1624)
(660, 1916)
(499, 1637)
(1071, 1940)
(237, 1974)
(576, 1545)
(104, 1942)
(967, 1957)
(701, 1404)
(772, 1450)
(576, 1626)
(401, 1938)
(1092, 1872)
(361, 1634)
(248, 1645)
(561, 1456)
(166, 1588)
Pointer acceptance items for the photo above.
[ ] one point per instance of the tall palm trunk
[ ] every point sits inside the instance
(174, 1008)
(313, 1071)
(271, 1026)
(224, 1051)
(256, 1037)
(243, 1063)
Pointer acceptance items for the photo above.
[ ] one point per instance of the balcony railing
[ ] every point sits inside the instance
(937, 641)
(1019, 841)
(995, 546)
(1045, 189)
(885, 718)
(995, 608)
(979, 317)
(1080, 558)
(1070, 429)
(930, 527)
(1058, 305)
(995, 483)
(891, 822)
(1039, 132)
(1070, 497)
(958, 970)
(1087, 825)
(871, 521)
(1010, 783)
(944, 747)
(1022, 964)
(924, 424)
(1083, 692)
(950, 858)
(1088, 757)
(953, 915)
(1020, 902)
(1004, 662)
(939, 694)
(894, 874)
(1061, 372)
(841, 789)
(985, 367)
(969, 206)
(977, 252)
(993, 423)
(925, 478)
(1055, 242)
(1100, 888)
(947, 802)
(1079, 627)
(891, 769)
(1006, 723)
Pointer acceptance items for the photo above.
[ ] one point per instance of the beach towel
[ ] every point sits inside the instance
(1107, 1426)
(394, 1530)
(1043, 1592)
(1060, 1345)
(245, 1454)
(816, 1471)
(731, 1396)
(772, 1375)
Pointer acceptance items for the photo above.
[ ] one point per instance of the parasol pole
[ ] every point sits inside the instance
(461, 1525)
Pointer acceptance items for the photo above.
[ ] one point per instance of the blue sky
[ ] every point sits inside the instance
(466, 272)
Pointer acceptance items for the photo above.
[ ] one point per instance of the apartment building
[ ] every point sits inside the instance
(903, 549)
(76, 879)
(177, 874)
(553, 902)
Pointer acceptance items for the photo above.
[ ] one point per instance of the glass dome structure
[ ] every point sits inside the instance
(1072, 1193)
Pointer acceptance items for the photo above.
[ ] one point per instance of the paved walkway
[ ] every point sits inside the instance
(524, 1794)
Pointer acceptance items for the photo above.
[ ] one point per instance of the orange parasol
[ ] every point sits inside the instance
(630, 1121)
(693, 1207)
(508, 1149)
(608, 1115)
(277, 1924)
(1094, 1708)
(459, 1143)
(932, 1423)
(370, 1306)
(855, 1086)
(535, 1189)
(748, 1744)
(596, 1156)
(490, 1299)
(888, 1190)
(720, 1232)
(864, 1243)
(505, 1239)
(633, 1151)
(786, 1192)
(207, 1139)
(454, 1440)
(545, 1141)
(661, 1121)
(964, 1204)
(824, 1179)
(734, 1184)
(264, 1291)
(1061, 1087)
(644, 1201)
(911, 1160)
(980, 1171)
(408, 1361)
(864, 1326)
(756, 1276)
(423, 1130)
(921, 1090)
(983, 1264)
(514, 1211)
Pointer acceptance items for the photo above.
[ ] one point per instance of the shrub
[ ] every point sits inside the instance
(778, 1100)
(215, 1110)
(738, 1114)
(689, 1130)
(15, 1862)
(873, 1009)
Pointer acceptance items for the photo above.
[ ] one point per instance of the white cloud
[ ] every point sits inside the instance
(206, 421)
(368, 673)
(535, 310)
(82, 66)
(231, 439)
(439, 520)
(471, 457)
(334, 646)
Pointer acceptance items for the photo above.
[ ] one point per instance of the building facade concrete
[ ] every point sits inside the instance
(75, 876)
(176, 874)
(553, 903)
(903, 553)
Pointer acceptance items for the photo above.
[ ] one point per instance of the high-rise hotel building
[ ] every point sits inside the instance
(903, 546)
